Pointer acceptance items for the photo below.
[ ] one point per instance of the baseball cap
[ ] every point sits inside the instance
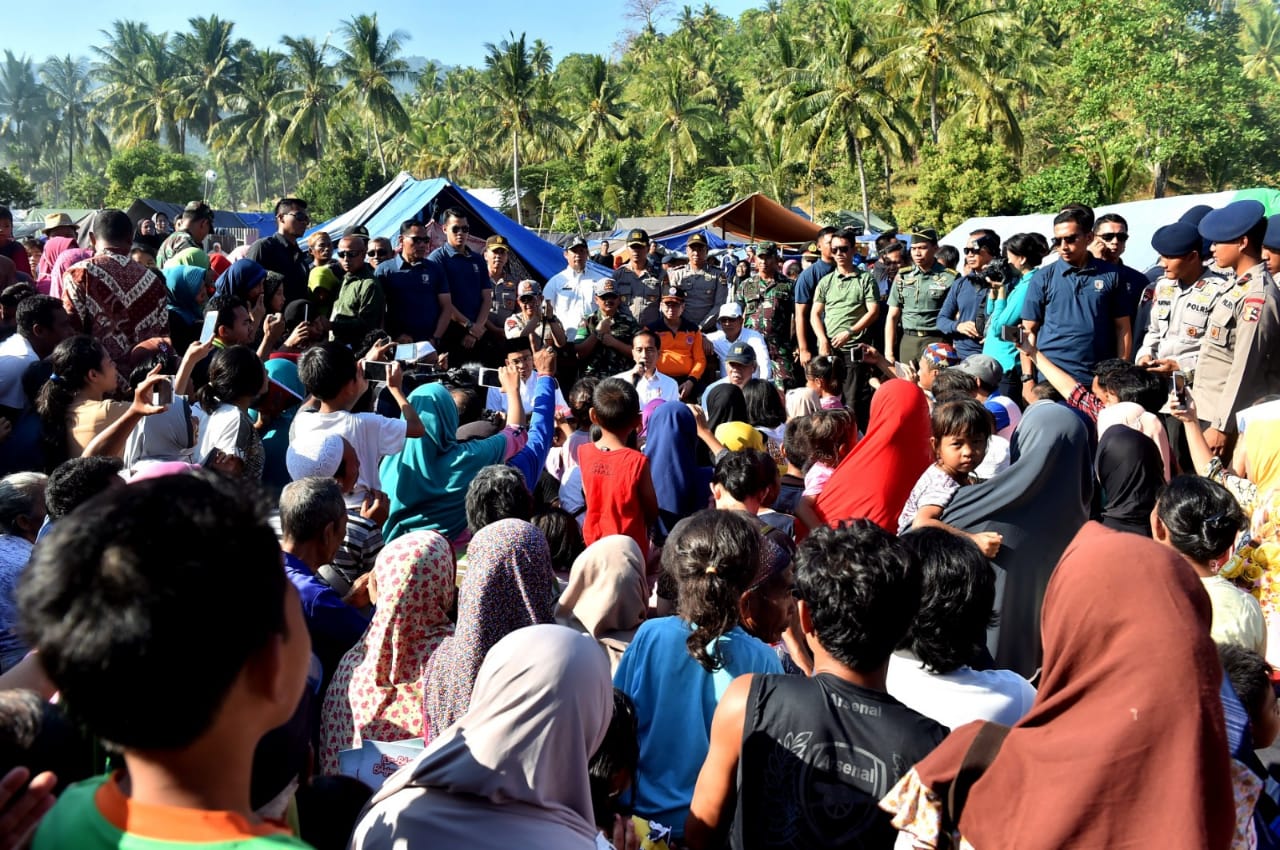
(673, 293)
(605, 287)
(731, 310)
(497, 241)
(577, 242)
(767, 249)
(197, 210)
(313, 454)
(941, 354)
(526, 287)
(984, 367)
(356, 230)
(742, 354)
(638, 237)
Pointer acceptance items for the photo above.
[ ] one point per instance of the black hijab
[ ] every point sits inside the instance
(1131, 474)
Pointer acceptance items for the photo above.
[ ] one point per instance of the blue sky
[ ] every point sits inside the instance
(453, 34)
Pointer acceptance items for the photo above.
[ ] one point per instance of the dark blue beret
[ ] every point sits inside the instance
(1195, 214)
(1176, 240)
(1272, 239)
(1232, 221)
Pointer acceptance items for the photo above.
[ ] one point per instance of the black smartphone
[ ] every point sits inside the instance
(375, 370)
(1015, 334)
(855, 353)
(1178, 388)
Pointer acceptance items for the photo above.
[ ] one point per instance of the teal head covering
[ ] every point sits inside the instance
(184, 284)
(427, 480)
(189, 257)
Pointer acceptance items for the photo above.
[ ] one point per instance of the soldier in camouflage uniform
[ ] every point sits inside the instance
(769, 306)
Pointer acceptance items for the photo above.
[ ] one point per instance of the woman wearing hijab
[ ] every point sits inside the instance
(512, 773)
(376, 693)
(682, 486)
(189, 257)
(725, 403)
(509, 584)
(64, 260)
(1131, 474)
(607, 596)
(875, 478)
(427, 480)
(277, 409)
(1124, 745)
(187, 295)
(245, 279)
(54, 247)
(1037, 504)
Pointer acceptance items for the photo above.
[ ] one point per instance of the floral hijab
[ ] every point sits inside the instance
(377, 689)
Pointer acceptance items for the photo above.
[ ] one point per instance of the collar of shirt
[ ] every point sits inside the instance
(402, 264)
(464, 251)
(1254, 271)
(297, 565)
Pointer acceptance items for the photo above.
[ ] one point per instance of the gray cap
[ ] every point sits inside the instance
(984, 367)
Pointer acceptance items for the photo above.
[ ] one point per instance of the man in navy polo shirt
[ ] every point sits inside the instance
(1076, 311)
(416, 290)
(1110, 238)
(964, 314)
(806, 286)
(469, 288)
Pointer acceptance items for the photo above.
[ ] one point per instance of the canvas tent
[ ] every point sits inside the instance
(1144, 219)
(754, 218)
(680, 240)
(424, 200)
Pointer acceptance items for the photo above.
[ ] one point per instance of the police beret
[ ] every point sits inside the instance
(1272, 239)
(1232, 221)
(1195, 214)
(1176, 240)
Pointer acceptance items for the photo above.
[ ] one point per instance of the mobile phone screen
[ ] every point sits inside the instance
(210, 325)
(162, 392)
(489, 378)
(406, 352)
(375, 370)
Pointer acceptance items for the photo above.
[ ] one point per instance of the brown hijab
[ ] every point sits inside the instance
(1124, 745)
(606, 596)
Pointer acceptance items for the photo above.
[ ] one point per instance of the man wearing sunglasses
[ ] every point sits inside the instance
(963, 317)
(470, 291)
(280, 252)
(360, 306)
(379, 251)
(1076, 310)
(496, 253)
(916, 299)
(1110, 238)
(603, 342)
(845, 307)
(415, 288)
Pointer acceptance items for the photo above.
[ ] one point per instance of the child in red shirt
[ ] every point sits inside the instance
(616, 485)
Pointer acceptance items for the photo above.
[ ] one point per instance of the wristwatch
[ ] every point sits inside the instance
(1027, 379)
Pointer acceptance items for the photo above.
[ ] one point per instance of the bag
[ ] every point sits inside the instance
(981, 753)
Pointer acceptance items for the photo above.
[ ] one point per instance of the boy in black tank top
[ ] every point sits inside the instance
(802, 763)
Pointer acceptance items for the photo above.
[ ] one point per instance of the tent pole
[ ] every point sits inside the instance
(753, 219)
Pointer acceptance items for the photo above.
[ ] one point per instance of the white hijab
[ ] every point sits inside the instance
(512, 772)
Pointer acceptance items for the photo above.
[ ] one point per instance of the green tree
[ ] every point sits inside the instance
(339, 181)
(968, 175)
(87, 189)
(22, 110)
(310, 92)
(209, 56)
(680, 116)
(1071, 181)
(15, 190)
(147, 170)
(66, 84)
(256, 125)
(372, 67)
(594, 93)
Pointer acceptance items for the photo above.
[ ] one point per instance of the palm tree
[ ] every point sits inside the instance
(840, 98)
(595, 103)
(256, 124)
(209, 54)
(1261, 41)
(22, 109)
(140, 90)
(311, 87)
(372, 66)
(682, 116)
(66, 83)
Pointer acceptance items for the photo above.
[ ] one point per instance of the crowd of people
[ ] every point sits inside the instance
(339, 541)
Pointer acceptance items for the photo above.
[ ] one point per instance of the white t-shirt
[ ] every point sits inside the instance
(372, 436)
(571, 295)
(659, 386)
(961, 696)
(497, 399)
(1237, 616)
(752, 338)
(16, 354)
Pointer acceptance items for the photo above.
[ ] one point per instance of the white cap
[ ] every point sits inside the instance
(314, 454)
(731, 310)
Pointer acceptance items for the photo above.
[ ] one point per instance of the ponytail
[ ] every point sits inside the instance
(72, 361)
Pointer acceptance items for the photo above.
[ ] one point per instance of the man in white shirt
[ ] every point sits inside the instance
(520, 356)
(571, 292)
(732, 331)
(42, 324)
(648, 381)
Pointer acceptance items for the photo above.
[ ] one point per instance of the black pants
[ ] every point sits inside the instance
(857, 390)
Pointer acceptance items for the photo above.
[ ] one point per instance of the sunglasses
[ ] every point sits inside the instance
(379, 255)
(528, 299)
(727, 320)
(302, 217)
(839, 249)
(969, 252)
(459, 229)
(608, 297)
(419, 240)
(1119, 236)
(342, 255)
(1067, 240)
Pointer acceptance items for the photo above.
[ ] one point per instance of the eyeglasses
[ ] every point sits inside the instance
(342, 255)
(1067, 240)
(297, 216)
(727, 320)
(419, 240)
(459, 229)
(839, 249)
(969, 252)
(379, 255)
(1118, 236)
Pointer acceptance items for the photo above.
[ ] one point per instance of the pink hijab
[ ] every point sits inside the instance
(53, 248)
(65, 260)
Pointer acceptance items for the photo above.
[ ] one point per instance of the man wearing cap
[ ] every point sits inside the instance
(534, 320)
(809, 254)
(963, 317)
(769, 306)
(603, 341)
(59, 224)
(740, 365)
(650, 384)
(571, 292)
(637, 283)
(280, 252)
(987, 374)
(1076, 310)
(10, 247)
(1181, 301)
(497, 250)
(194, 226)
(844, 311)
(1237, 365)
(470, 292)
(684, 357)
(415, 288)
(916, 299)
(806, 285)
(605, 257)
(733, 330)
(704, 289)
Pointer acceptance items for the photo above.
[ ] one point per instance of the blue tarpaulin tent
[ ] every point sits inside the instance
(406, 198)
(680, 240)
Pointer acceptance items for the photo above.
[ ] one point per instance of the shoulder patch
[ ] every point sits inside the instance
(1252, 308)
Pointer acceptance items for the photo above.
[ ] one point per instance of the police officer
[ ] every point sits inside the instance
(1234, 368)
(703, 286)
(1182, 300)
(637, 283)
(769, 306)
(916, 299)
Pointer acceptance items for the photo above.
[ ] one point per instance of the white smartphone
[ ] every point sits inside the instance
(209, 327)
(407, 352)
(490, 378)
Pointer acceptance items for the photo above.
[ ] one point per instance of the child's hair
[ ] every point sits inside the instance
(862, 587)
(497, 492)
(714, 557)
(827, 434)
(827, 369)
(225, 306)
(1202, 516)
(957, 599)
(963, 417)
(1138, 385)
(950, 382)
(764, 406)
(618, 754)
(164, 358)
(234, 372)
(35, 734)
(795, 442)
(132, 648)
(1249, 674)
(326, 369)
(617, 406)
(328, 809)
(78, 480)
(740, 474)
(563, 536)
(580, 399)
(72, 361)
